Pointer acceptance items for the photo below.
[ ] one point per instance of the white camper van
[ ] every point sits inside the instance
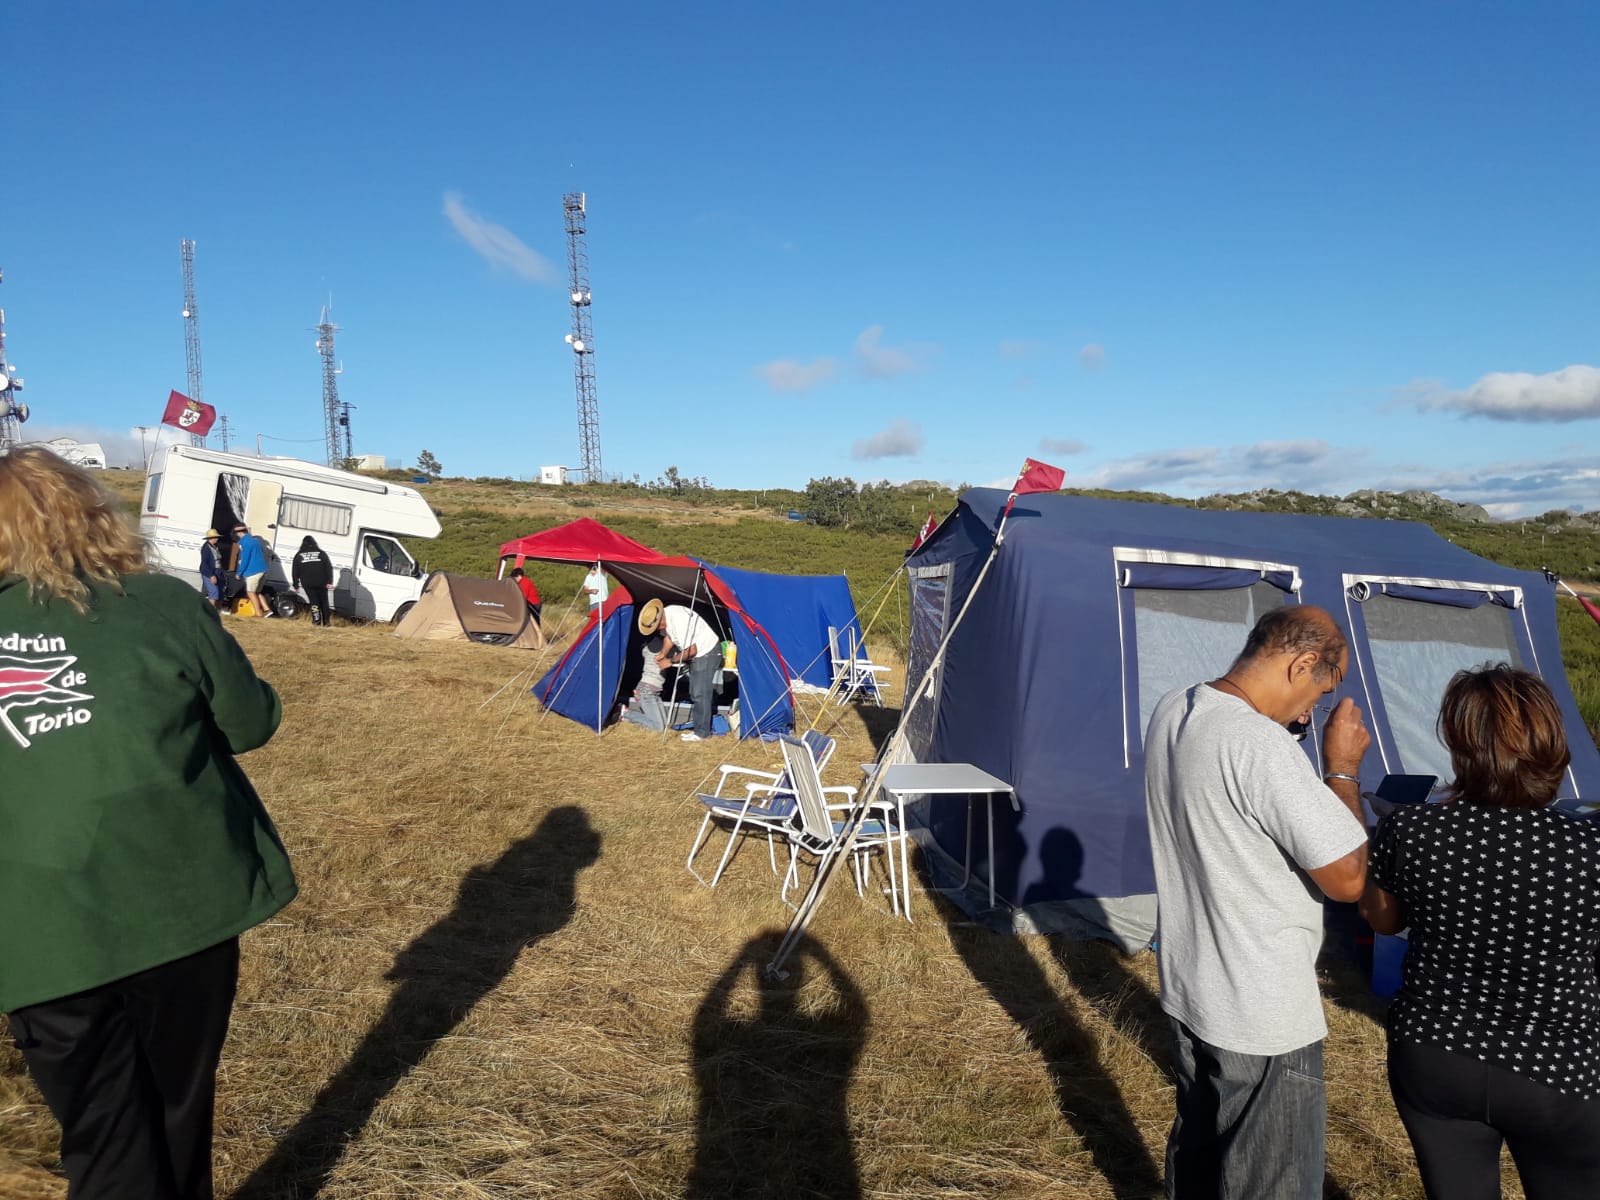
(358, 521)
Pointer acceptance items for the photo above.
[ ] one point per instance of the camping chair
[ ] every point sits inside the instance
(768, 805)
(854, 674)
(820, 832)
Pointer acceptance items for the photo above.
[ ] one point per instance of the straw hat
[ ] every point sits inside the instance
(211, 533)
(650, 617)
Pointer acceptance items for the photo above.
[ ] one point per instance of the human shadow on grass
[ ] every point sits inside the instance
(1086, 1093)
(523, 896)
(773, 1075)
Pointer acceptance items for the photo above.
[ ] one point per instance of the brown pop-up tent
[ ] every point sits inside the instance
(460, 608)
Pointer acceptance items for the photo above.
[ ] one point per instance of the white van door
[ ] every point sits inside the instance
(386, 578)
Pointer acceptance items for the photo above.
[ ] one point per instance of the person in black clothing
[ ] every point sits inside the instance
(1495, 1035)
(313, 574)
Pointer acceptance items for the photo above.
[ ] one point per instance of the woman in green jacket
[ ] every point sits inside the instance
(133, 850)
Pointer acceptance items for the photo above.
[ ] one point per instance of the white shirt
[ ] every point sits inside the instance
(1237, 816)
(688, 628)
(596, 579)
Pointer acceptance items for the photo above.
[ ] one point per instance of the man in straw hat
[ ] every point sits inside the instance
(211, 569)
(687, 641)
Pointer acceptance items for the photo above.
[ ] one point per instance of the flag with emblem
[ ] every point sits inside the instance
(191, 416)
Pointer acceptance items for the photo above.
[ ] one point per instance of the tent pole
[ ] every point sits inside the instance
(841, 852)
(600, 669)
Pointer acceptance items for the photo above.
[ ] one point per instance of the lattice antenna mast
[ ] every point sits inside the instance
(13, 412)
(345, 408)
(191, 330)
(224, 431)
(330, 386)
(581, 339)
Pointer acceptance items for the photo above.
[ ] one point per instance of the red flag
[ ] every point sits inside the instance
(1038, 477)
(1588, 607)
(189, 415)
(926, 531)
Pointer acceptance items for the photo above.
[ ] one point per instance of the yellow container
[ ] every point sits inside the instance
(730, 656)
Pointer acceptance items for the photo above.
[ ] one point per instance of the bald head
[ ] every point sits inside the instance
(1295, 629)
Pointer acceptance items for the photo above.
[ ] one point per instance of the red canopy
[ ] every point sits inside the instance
(580, 541)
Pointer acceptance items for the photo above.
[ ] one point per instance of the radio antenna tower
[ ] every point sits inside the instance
(191, 330)
(13, 412)
(224, 431)
(330, 386)
(581, 339)
(344, 419)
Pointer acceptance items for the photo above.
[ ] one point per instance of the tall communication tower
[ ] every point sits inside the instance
(191, 330)
(330, 386)
(581, 339)
(13, 412)
(224, 431)
(344, 419)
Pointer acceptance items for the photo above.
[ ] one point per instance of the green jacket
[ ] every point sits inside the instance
(129, 837)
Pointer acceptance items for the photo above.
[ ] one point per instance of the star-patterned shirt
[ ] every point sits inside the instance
(1504, 912)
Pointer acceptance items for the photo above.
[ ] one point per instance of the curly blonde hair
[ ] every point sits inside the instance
(60, 531)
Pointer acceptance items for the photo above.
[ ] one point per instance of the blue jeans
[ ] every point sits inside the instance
(1249, 1126)
(703, 670)
(646, 709)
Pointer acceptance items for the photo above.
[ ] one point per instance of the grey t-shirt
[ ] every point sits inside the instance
(1237, 815)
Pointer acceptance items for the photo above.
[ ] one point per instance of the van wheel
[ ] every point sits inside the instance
(400, 613)
(286, 604)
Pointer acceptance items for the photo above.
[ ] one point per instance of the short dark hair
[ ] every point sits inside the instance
(1296, 629)
(516, 572)
(1507, 742)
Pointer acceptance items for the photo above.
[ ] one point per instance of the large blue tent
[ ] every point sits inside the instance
(1093, 609)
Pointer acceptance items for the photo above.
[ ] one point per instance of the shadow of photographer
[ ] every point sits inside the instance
(773, 1075)
(525, 895)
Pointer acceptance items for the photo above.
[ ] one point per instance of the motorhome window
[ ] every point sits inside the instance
(152, 492)
(1416, 647)
(387, 555)
(930, 616)
(317, 516)
(1185, 637)
(235, 491)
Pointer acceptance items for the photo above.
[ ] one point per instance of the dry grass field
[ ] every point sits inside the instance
(499, 980)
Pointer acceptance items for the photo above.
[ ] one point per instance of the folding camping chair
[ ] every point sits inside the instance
(821, 832)
(854, 674)
(768, 806)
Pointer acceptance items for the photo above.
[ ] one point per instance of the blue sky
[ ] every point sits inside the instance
(1179, 247)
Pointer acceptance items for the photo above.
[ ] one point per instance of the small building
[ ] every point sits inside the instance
(552, 475)
(371, 462)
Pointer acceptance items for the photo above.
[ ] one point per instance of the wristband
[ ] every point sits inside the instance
(1327, 775)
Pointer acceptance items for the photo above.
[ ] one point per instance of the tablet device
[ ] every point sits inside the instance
(1406, 789)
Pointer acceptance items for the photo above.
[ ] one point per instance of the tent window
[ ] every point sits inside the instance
(318, 516)
(1416, 647)
(930, 617)
(1184, 637)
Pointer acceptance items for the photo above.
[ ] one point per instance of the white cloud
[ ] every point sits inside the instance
(877, 361)
(902, 439)
(1308, 465)
(1092, 357)
(1514, 489)
(1570, 394)
(129, 448)
(787, 375)
(496, 244)
(1052, 445)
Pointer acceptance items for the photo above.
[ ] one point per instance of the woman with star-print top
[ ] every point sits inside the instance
(1495, 1035)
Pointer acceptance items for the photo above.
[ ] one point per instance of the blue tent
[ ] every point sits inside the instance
(584, 683)
(1094, 609)
(797, 610)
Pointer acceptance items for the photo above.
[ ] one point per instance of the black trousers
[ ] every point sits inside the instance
(319, 598)
(129, 1069)
(1459, 1111)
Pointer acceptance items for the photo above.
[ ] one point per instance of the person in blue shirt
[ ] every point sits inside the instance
(252, 566)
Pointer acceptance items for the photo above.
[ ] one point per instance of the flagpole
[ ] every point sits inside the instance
(825, 869)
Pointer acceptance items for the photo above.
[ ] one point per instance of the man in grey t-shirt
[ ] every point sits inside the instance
(1244, 835)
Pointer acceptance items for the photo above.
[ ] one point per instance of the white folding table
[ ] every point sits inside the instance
(944, 779)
